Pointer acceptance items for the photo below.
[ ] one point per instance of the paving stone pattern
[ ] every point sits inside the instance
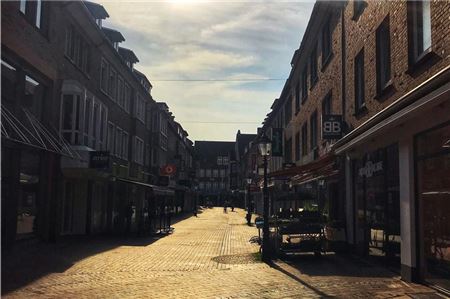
(206, 257)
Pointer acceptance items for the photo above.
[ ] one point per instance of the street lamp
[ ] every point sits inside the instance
(265, 145)
(249, 211)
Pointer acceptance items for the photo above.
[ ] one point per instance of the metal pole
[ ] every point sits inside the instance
(265, 249)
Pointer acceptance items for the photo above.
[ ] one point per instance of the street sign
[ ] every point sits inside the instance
(99, 160)
(277, 142)
(331, 126)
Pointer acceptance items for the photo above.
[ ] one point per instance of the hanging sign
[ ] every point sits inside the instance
(168, 169)
(331, 126)
(99, 160)
(370, 169)
(277, 142)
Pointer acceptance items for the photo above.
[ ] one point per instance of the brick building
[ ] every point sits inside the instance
(76, 125)
(381, 71)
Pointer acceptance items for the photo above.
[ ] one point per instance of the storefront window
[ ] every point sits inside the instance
(433, 187)
(377, 203)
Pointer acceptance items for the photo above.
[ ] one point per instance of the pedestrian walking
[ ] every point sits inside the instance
(128, 215)
(194, 211)
(225, 207)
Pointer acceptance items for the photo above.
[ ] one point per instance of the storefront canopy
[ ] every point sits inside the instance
(24, 128)
(157, 190)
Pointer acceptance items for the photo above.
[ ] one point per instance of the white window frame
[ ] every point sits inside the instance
(139, 150)
(118, 143)
(125, 140)
(111, 138)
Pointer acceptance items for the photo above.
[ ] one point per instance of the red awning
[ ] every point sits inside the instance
(299, 170)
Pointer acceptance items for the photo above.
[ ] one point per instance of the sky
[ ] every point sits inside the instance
(203, 57)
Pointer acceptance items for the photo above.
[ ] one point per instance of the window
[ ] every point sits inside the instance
(120, 92)
(208, 185)
(297, 146)
(326, 104)
(112, 83)
(297, 97)
(419, 29)
(288, 150)
(201, 185)
(305, 139)
(288, 111)
(222, 173)
(111, 135)
(359, 81)
(139, 110)
(313, 125)
(313, 66)
(77, 50)
(124, 145)
(118, 150)
(219, 160)
(202, 173)
(326, 43)
(208, 173)
(358, 8)
(138, 150)
(127, 98)
(87, 120)
(164, 142)
(383, 57)
(215, 173)
(304, 85)
(32, 11)
(71, 118)
(104, 76)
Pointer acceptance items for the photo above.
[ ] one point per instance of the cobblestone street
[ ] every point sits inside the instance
(206, 257)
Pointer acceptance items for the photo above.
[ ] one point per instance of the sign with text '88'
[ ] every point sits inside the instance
(331, 126)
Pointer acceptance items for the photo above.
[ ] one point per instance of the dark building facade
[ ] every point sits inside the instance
(212, 169)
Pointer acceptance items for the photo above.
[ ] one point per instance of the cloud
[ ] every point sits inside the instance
(213, 40)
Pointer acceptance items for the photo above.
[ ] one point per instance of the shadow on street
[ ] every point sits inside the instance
(30, 260)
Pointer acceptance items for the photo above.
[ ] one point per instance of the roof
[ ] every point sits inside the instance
(141, 76)
(113, 35)
(128, 55)
(96, 10)
(209, 150)
(242, 141)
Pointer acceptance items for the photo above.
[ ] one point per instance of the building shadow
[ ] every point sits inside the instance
(337, 265)
(33, 259)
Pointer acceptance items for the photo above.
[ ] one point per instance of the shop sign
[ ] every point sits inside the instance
(331, 126)
(370, 168)
(277, 142)
(99, 160)
(169, 169)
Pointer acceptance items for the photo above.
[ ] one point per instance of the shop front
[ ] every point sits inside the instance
(398, 186)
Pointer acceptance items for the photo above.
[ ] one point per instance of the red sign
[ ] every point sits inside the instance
(169, 169)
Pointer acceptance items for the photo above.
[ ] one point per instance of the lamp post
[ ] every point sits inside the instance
(265, 144)
(249, 211)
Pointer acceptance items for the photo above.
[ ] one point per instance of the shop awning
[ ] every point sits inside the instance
(157, 190)
(299, 170)
(24, 128)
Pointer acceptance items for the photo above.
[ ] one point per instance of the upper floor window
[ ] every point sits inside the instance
(139, 108)
(359, 81)
(383, 56)
(304, 85)
(32, 11)
(125, 140)
(77, 50)
(305, 139)
(202, 173)
(112, 84)
(83, 120)
(138, 150)
(222, 173)
(215, 173)
(219, 160)
(104, 75)
(208, 173)
(313, 66)
(297, 97)
(313, 125)
(326, 42)
(127, 97)
(288, 150)
(288, 111)
(419, 29)
(111, 138)
(358, 8)
(225, 160)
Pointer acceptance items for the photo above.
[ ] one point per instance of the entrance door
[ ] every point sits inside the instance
(433, 194)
